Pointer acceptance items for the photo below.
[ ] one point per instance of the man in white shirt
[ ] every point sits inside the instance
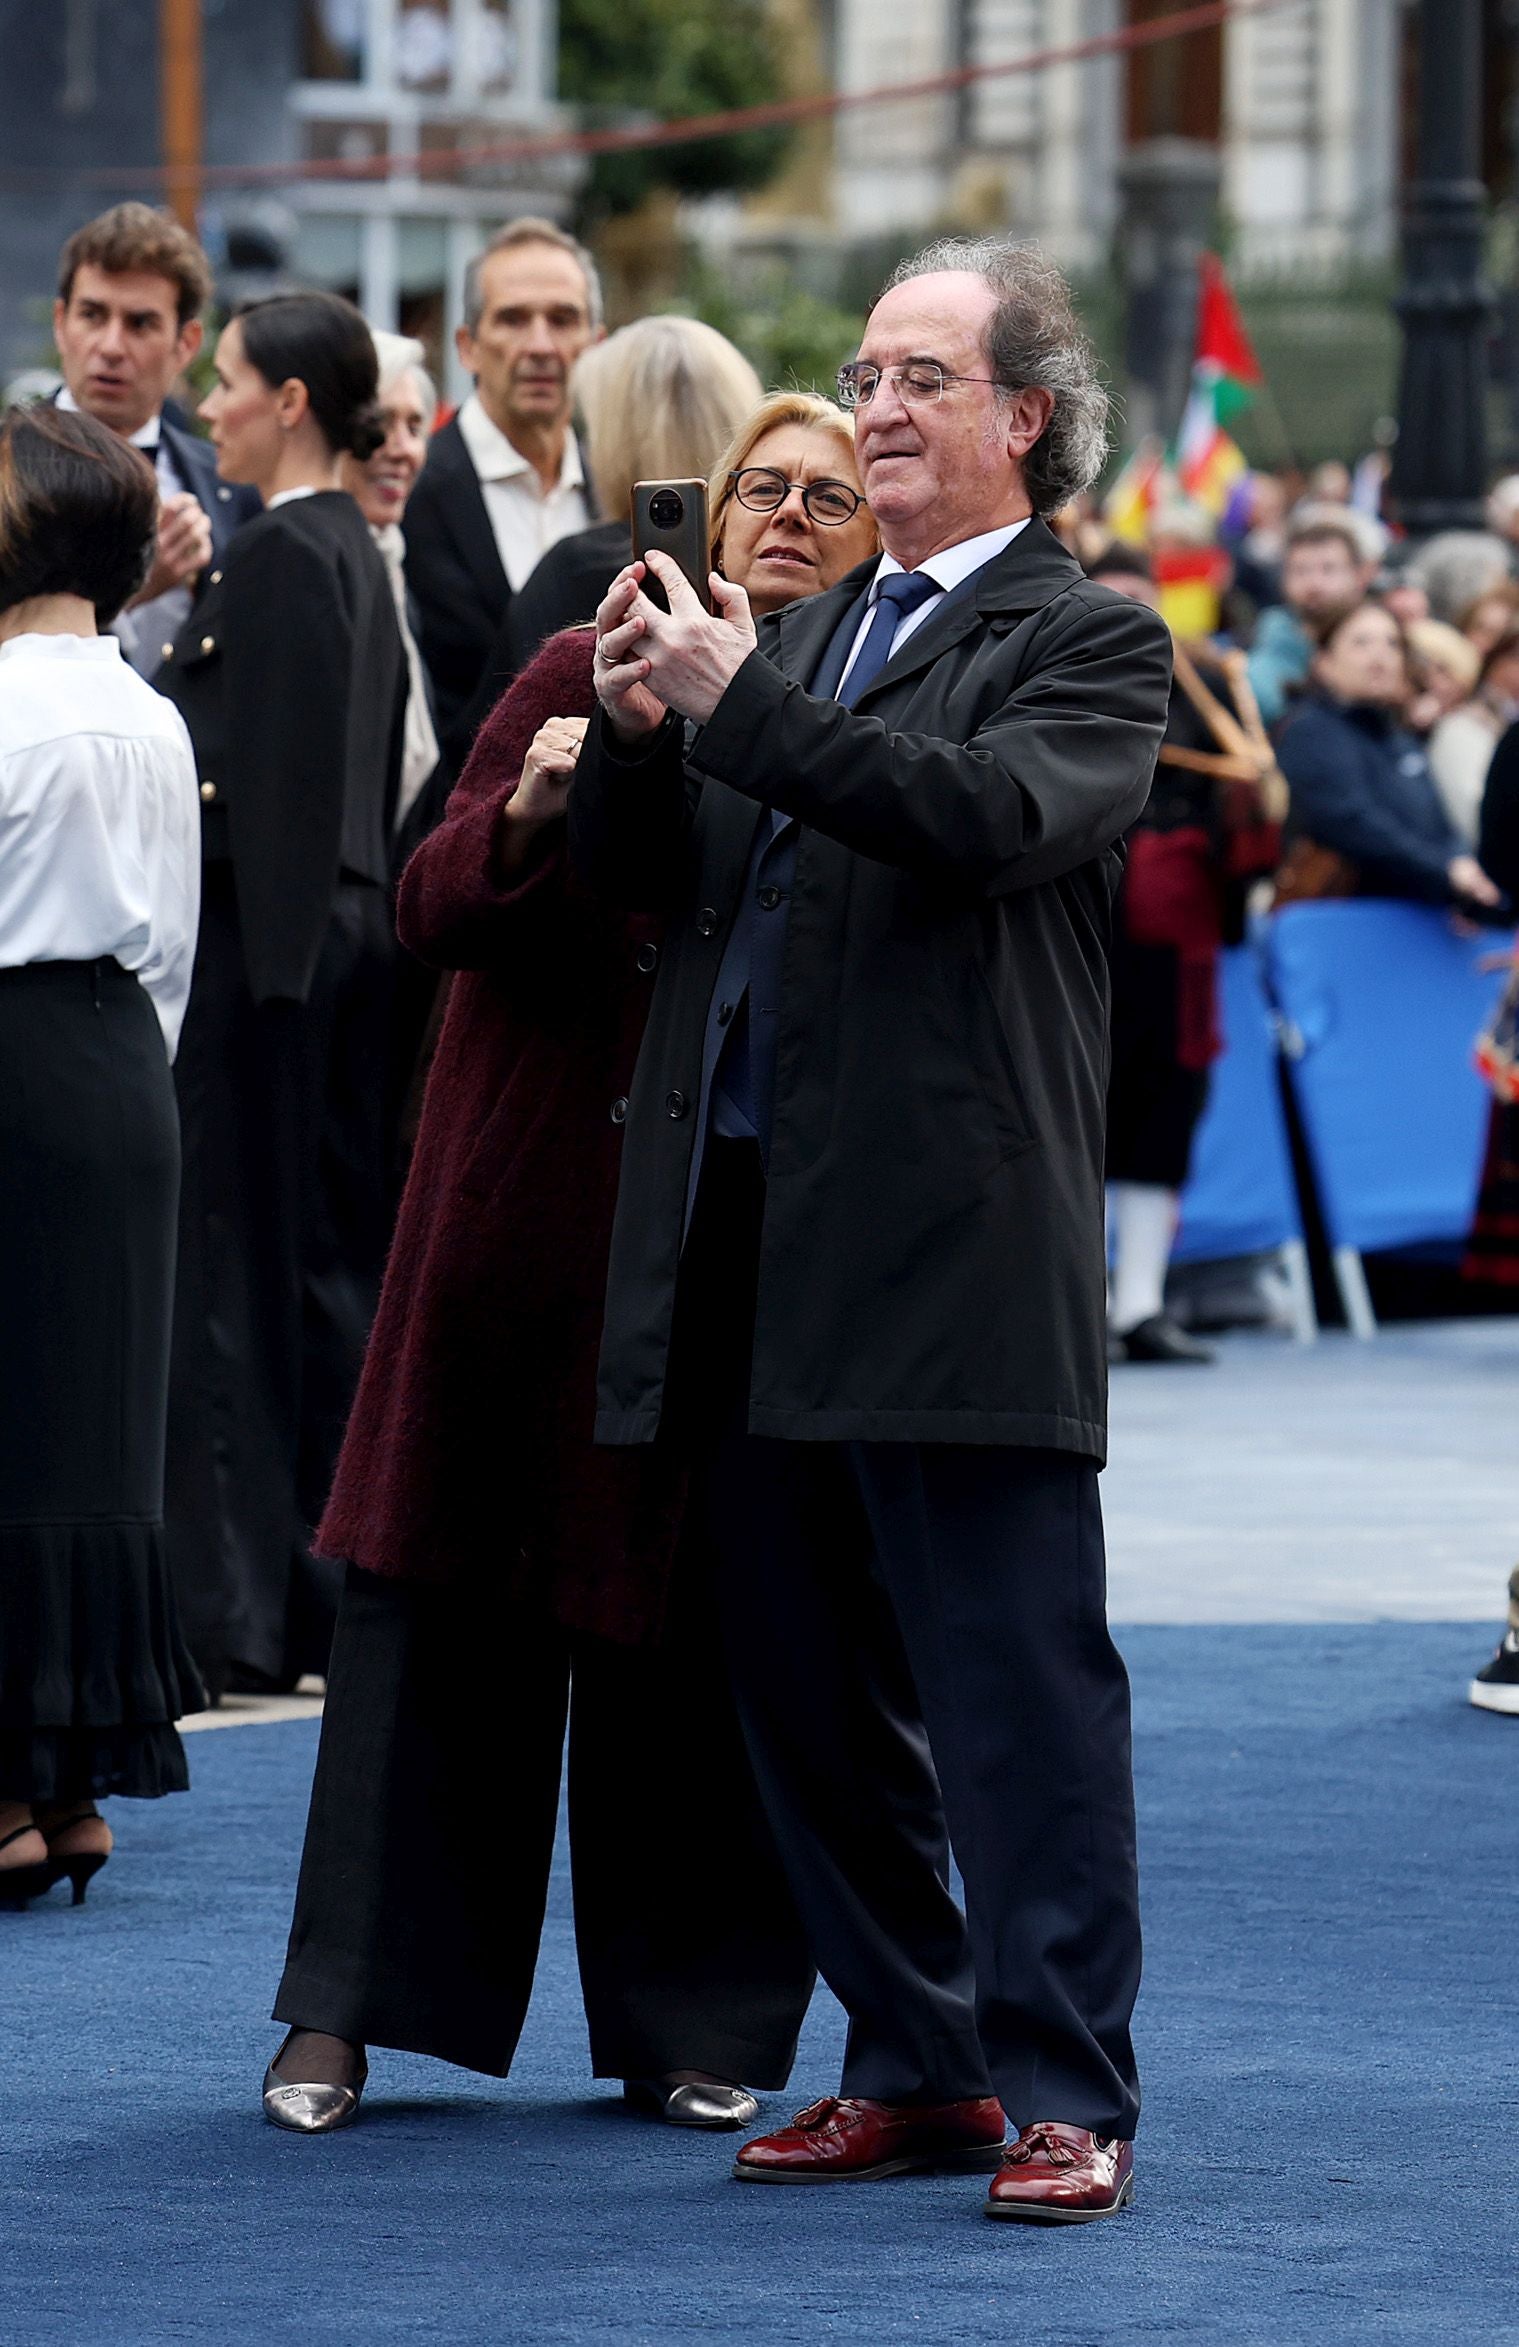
(503, 481)
(131, 287)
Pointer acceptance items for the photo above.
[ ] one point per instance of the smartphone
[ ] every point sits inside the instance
(670, 517)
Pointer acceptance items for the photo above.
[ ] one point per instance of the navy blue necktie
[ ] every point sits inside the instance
(899, 594)
(735, 1087)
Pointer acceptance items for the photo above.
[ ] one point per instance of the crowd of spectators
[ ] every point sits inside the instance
(1386, 676)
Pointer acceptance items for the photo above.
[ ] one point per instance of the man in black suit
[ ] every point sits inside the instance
(859, 1236)
(131, 287)
(503, 480)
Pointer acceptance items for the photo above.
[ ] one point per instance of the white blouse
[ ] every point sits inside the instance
(99, 818)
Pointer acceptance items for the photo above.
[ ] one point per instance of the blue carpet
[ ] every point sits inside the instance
(1327, 2035)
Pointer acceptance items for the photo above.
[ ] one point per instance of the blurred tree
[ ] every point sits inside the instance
(792, 338)
(664, 59)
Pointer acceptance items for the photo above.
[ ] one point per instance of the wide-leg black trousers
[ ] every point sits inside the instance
(918, 1640)
(426, 1866)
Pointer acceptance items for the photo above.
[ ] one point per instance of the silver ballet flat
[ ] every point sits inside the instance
(310, 2110)
(692, 2106)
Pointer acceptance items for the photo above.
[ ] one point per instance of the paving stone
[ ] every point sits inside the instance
(1335, 1482)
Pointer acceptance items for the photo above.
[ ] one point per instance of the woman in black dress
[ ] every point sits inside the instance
(97, 930)
(292, 680)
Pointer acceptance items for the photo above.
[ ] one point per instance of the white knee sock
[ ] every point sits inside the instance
(1142, 1218)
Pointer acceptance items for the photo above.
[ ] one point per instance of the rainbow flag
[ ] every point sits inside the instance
(1226, 376)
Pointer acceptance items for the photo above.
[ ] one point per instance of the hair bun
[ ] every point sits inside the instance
(367, 431)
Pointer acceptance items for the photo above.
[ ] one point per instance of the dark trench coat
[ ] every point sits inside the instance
(931, 1266)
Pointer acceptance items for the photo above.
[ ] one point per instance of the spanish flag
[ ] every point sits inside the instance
(1189, 582)
(1226, 376)
(1129, 506)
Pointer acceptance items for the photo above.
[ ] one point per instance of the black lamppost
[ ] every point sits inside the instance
(1439, 467)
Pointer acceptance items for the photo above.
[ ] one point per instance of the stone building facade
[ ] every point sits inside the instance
(1301, 103)
(285, 82)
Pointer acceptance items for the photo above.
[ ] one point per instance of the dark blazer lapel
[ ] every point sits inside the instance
(829, 673)
(195, 462)
(461, 508)
(1029, 573)
(803, 632)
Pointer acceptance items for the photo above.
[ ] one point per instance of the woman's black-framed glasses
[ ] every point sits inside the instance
(917, 382)
(766, 491)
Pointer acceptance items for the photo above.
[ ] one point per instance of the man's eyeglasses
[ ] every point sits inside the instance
(764, 491)
(916, 382)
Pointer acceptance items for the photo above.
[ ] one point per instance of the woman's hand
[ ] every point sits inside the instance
(544, 784)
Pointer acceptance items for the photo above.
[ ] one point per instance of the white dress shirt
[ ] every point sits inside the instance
(99, 818)
(527, 518)
(946, 570)
(143, 632)
(419, 745)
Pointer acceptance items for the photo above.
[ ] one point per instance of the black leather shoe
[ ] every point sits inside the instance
(1163, 1339)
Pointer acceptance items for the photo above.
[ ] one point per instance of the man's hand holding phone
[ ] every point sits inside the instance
(649, 661)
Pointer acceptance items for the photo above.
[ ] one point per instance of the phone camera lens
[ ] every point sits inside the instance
(667, 509)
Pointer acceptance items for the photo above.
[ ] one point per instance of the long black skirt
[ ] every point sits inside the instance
(286, 1113)
(93, 1671)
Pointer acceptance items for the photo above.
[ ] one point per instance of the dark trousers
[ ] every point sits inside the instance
(426, 1865)
(918, 1638)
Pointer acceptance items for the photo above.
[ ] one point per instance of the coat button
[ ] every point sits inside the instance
(648, 958)
(769, 898)
(216, 578)
(166, 651)
(208, 792)
(224, 496)
(676, 1104)
(706, 921)
(619, 1112)
(208, 643)
(724, 1013)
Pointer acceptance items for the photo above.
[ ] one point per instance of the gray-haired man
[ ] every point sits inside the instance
(503, 480)
(859, 1235)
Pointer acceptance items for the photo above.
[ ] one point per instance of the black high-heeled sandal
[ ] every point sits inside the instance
(82, 1866)
(19, 1885)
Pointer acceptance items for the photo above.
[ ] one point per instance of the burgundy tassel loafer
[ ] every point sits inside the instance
(1058, 2175)
(852, 2141)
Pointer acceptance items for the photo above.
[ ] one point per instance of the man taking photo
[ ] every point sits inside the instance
(859, 1249)
(127, 322)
